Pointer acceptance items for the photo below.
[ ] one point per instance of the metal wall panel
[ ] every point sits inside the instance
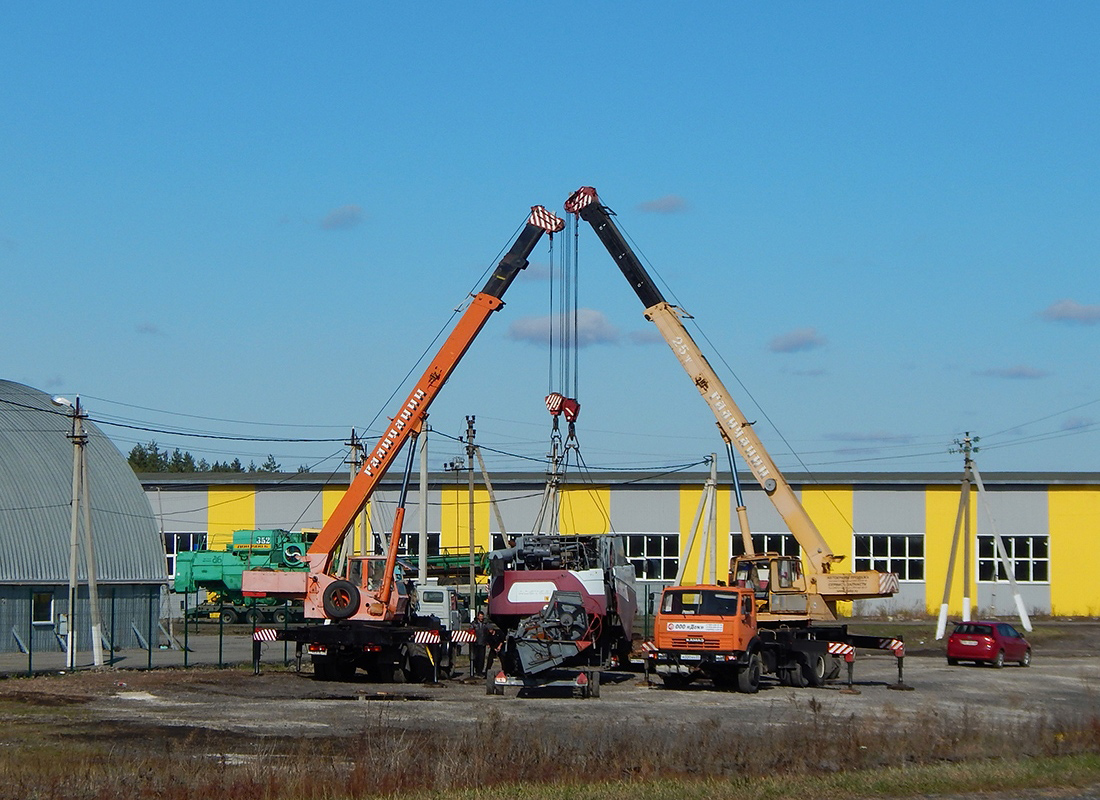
(996, 599)
(889, 510)
(639, 510)
(1015, 511)
(121, 608)
(179, 511)
(288, 509)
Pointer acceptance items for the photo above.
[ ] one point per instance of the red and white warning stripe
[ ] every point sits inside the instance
(553, 402)
(580, 198)
(426, 637)
(463, 637)
(896, 646)
(649, 647)
(841, 649)
(264, 635)
(547, 220)
(888, 583)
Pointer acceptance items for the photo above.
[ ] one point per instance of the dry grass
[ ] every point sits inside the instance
(926, 752)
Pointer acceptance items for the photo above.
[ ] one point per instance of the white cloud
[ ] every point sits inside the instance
(1071, 311)
(592, 328)
(669, 204)
(536, 271)
(797, 340)
(343, 218)
(645, 336)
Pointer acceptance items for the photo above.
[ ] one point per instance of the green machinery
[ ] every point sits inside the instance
(218, 572)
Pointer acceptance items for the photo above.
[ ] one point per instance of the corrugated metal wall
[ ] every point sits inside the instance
(123, 608)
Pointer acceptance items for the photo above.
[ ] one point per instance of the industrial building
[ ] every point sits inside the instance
(901, 522)
(36, 513)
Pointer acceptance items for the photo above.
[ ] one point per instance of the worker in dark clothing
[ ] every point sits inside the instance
(477, 648)
(494, 641)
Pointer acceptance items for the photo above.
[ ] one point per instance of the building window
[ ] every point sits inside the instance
(42, 608)
(655, 556)
(1028, 555)
(782, 543)
(410, 545)
(900, 553)
(175, 543)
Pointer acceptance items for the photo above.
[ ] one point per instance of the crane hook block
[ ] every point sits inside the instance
(558, 404)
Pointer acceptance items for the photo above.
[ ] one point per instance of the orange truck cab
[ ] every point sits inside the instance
(712, 632)
(707, 631)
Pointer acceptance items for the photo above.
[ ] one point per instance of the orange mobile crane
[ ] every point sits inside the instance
(367, 617)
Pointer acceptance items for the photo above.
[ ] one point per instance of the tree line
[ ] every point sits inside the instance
(150, 458)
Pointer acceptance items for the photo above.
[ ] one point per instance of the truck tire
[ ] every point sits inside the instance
(417, 667)
(814, 670)
(748, 677)
(281, 616)
(322, 668)
(228, 615)
(796, 674)
(253, 616)
(674, 680)
(340, 599)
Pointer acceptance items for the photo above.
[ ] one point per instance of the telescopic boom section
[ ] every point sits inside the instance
(668, 319)
(410, 419)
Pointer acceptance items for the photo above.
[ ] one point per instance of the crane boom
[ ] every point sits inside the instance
(669, 321)
(375, 601)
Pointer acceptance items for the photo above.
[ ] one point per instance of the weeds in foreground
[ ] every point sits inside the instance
(375, 758)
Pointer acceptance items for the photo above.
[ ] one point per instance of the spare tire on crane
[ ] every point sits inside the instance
(340, 599)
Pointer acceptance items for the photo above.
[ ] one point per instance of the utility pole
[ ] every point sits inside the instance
(470, 473)
(968, 446)
(80, 496)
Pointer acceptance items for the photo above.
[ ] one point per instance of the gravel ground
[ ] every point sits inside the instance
(279, 702)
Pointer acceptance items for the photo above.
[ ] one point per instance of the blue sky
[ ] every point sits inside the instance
(252, 219)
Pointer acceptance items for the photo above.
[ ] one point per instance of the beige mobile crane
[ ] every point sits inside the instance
(362, 610)
(785, 593)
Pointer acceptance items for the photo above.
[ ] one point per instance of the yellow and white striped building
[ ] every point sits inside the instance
(901, 522)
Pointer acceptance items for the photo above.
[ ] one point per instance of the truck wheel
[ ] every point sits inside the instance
(797, 674)
(323, 669)
(417, 666)
(748, 677)
(340, 599)
(813, 671)
(674, 680)
(228, 616)
(254, 616)
(622, 653)
(281, 616)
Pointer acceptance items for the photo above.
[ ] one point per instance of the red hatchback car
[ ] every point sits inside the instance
(991, 643)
